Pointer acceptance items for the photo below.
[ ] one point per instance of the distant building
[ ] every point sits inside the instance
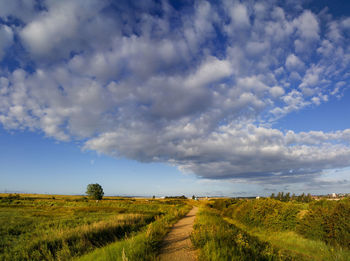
(334, 195)
(257, 197)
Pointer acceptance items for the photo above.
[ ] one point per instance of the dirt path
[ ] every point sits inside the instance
(177, 244)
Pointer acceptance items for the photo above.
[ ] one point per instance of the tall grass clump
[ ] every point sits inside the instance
(144, 245)
(220, 240)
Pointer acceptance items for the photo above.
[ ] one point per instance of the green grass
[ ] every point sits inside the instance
(317, 220)
(271, 230)
(42, 227)
(217, 240)
(141, 246)
(290, 240)
(267, 213)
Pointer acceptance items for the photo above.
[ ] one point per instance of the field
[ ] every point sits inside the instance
(268, 229)
(42, 227)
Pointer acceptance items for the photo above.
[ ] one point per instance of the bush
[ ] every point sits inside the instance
(329, 221)
(13, 196)
(222, 204)
(267, 213)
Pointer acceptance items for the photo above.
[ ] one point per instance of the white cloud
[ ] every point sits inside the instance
(56, 32)
(276, 91)
(210, 71)
(293, 101)
(256, 48)
(199, 26)
(50, 30)
(23, 10)
(294, 63)
(307, 26)
(346, 23)
(237, 151)
(252, 83)
(239, 15)
(184, 88)
(311, 78)
(6, 39)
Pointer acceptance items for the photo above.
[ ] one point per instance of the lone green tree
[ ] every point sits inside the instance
(94, 191)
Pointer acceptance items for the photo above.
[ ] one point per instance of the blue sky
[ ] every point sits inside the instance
(225, 98)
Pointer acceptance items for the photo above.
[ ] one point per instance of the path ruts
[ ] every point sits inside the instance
(177, 244)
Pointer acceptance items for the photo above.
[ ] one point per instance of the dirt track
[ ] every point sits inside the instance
(177, 244)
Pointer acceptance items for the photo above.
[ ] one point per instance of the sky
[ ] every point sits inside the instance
(212, 98)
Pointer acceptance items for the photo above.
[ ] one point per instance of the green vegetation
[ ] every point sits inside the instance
(141, 246)
(176, 197)
(320, 220)
(217, 239)
(267, 213)
(35, 227)
(295, 243)
(273, 230)
(328, 221)
(287, 197)
(94, 191)
(42, 227)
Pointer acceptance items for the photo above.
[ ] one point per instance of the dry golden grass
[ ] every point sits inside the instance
(48, 227)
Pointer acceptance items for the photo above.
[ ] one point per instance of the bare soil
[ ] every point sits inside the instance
(177, 245)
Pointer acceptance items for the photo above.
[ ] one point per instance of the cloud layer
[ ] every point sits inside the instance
(197, 86)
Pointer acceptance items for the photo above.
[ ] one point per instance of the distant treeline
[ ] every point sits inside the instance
(287, 197)
(176, 197)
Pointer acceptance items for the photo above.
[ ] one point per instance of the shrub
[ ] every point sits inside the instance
(329, 221)
(267, 213)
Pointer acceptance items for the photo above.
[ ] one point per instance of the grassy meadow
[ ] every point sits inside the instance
(268, 229)
(42, 227)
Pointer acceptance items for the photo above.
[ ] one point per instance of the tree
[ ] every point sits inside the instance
(280, 196)
(193, 197)
(293, 196)
(302, 197)
(308, 198)
(94, 191)
(287, 197)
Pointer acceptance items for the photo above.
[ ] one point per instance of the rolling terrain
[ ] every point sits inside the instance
(44, 227)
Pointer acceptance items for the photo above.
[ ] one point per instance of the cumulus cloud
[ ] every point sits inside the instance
(276, 91)
(6, 39)
(56, 32)
(23, 10)
(199, 87)
(236, 151)
(307, 27)
(294, 63)
(239, 15)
